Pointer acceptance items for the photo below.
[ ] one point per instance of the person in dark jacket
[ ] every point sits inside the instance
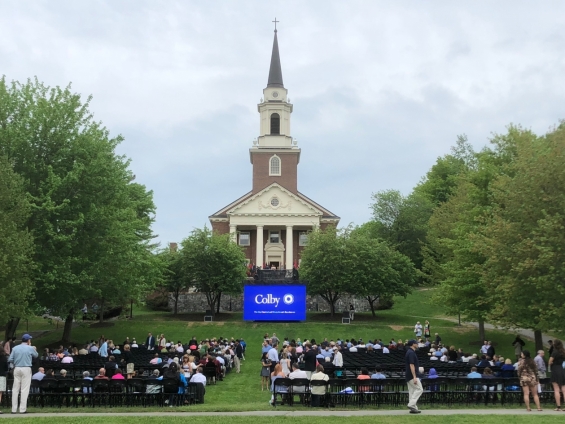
(490, 350)
(310, 360)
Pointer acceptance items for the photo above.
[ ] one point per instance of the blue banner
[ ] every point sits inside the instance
(274, 303)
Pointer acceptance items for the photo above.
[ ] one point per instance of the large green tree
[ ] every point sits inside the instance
(16, 246)
(213, 264)
(523, 239)
(90, 221)
(174, 280)
(451, 259)
(402, 221)
(351, 261)
(442, 179)
(326, 264)
(380, 272)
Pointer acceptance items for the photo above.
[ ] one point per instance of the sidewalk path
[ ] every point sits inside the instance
(521, 331)
(275, 413)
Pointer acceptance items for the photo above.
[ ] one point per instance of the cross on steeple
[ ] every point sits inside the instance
(275, 21)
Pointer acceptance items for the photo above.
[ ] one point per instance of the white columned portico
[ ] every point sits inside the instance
(260, 246)
(233, 232)
(288, 247)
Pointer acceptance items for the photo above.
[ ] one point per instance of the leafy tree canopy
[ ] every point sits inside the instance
(214, 264)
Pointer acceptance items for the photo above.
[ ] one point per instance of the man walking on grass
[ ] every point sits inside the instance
(415, 389)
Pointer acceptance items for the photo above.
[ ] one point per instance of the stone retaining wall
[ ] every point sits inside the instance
(196, 302)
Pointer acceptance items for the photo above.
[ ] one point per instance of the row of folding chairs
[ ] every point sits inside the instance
(394, 392)
(110, 393)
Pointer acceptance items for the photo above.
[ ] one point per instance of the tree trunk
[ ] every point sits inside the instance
(68, 327)
(218, 303)
(211, 302)
(11, 328)
(176, 309)
(482, 336)
(538, 340)
(372, 304)
(102, 311)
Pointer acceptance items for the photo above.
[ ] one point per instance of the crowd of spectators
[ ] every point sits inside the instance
(309, 359)
(196, 361)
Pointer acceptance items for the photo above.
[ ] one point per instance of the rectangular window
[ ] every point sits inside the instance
(274, 237)
(303, 239)
(244, 239)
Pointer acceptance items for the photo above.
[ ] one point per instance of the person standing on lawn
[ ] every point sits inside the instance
(22, 356)
(415, 389)
(528, 374)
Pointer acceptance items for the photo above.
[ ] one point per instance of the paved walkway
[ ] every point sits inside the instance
(521, 331)
(275, 413)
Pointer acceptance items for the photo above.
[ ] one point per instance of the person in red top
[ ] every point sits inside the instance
(101, 375)
(364, 376)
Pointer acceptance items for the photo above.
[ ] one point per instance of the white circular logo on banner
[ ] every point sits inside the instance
(288, 299)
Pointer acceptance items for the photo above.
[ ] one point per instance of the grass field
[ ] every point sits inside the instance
(452, 419)
(242, 392)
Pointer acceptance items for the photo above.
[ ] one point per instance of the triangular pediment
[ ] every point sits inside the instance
(275, 200)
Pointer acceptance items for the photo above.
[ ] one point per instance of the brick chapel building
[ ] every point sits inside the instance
(272, 221)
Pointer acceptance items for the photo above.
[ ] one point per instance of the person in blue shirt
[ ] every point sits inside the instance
(507, 370)
(21, 357)
(103, 350)
(474, 373)
(266, 347)
(378, 374)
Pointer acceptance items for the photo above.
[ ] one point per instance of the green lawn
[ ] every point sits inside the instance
(452, 419)
(242, 392)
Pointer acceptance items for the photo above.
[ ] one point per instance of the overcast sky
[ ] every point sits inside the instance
(380, 89)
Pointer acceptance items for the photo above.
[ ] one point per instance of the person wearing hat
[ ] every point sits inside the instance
(22, 356)
(415, 389)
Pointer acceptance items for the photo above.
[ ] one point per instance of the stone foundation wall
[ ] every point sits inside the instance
(196, 302)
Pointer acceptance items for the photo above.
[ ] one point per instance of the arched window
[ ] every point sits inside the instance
(275, 166)
(275, 123)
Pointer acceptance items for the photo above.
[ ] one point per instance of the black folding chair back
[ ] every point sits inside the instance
(282, 388)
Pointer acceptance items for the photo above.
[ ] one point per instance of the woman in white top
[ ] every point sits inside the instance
(285, 364)
(162, 342)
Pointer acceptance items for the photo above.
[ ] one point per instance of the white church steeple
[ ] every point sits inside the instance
(275, 109)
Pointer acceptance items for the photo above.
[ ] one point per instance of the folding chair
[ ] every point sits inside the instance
(300, 387)
(319, 400)
(282, 387)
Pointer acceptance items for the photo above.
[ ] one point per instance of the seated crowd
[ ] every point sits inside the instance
(203, 361)
(310, 360)
(330, 354)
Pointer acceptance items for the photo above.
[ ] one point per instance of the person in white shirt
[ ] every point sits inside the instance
(67, 360)
(338, 358)
(385, 349)
(273, 355)
(484, 348)
(198, 377)
(318, 392)
(295, 374)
